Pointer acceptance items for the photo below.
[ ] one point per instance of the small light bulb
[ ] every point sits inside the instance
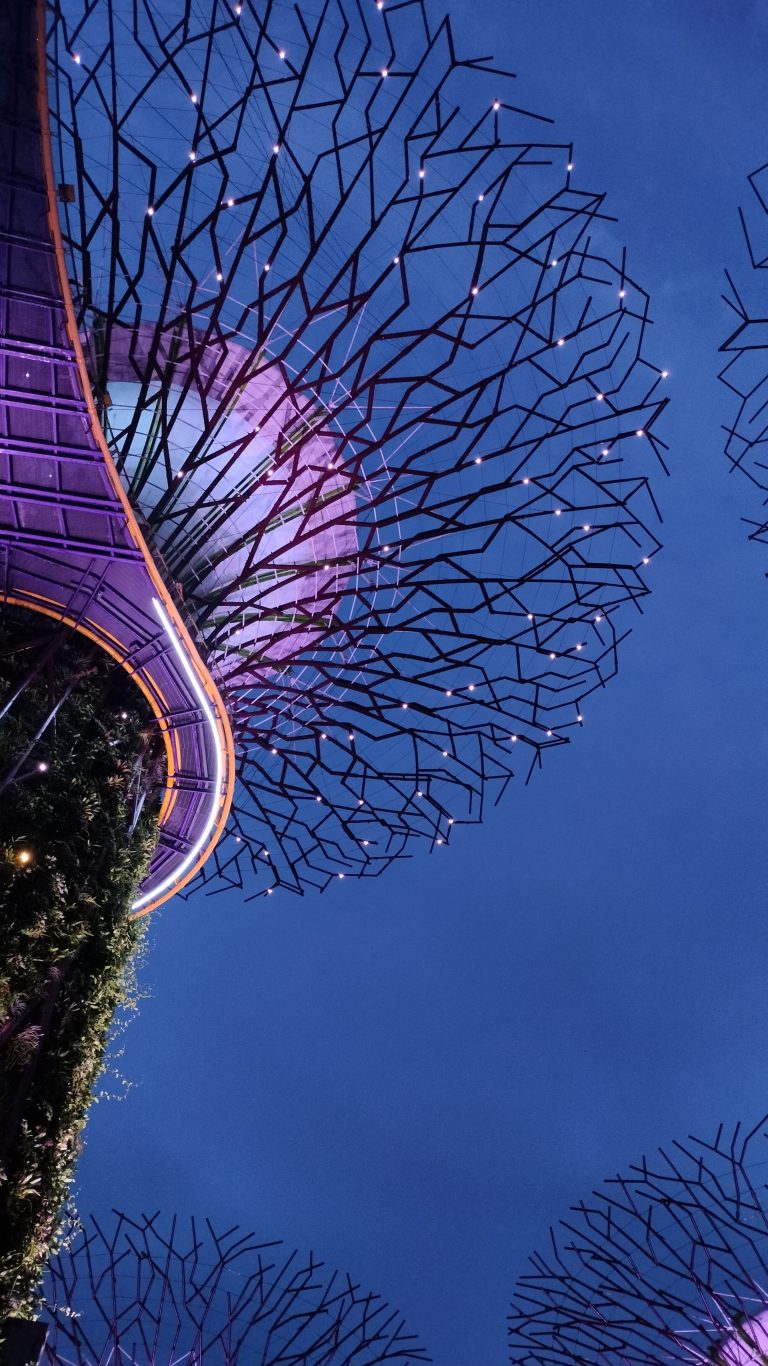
(123, 716)
(24, 857)
(622, 293)
(76, 58)
(561, 341)
(384, 71)
(269, 891)
(639, 432)
(230, 203)
(664, 374)
(397, 260)
(193, 155)
(275, 148)
(599, 398)
(478, 460)
(281, 54)
(586, 527)
(405, 706)
(445, 753)
(579, 717)
(474, 290)
(449, 693)
(267, 266)
(497, 104)
(471, 687)
(554, 262)
(552, 656)
(341, 875)
(569, 167)
(42, 767)
(439, 841)
(150, 211)
(480, 198)
(598, 617)
(193, 97)
(219, 276)
(422, 173)
(513, 738)
(526, 481)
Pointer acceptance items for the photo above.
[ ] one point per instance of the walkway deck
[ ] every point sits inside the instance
(70, 545)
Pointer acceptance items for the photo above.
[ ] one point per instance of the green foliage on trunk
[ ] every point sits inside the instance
(70, 860)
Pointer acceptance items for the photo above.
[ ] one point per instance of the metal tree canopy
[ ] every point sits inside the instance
(372, 371)
(70, 546)
(668, 1263)
(155, 1292)
(746, 371)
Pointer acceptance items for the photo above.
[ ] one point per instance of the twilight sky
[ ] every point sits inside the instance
(415, 1077)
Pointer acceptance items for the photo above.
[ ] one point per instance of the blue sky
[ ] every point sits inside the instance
(415, 1077)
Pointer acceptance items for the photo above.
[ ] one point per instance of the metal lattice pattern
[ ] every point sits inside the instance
(666, 1264)
(746, 371)
(155, 1292)
(372, 369)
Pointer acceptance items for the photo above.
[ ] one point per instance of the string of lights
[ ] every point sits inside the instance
(373, 371)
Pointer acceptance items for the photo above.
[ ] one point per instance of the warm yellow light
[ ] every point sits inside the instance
(24, 857)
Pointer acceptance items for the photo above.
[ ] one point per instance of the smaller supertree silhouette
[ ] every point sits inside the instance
(666, 1264)
(745, 373)
(155, 1291)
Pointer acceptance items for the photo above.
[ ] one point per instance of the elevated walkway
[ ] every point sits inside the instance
(70, 545)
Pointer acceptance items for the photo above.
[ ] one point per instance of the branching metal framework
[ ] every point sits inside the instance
(155, 1292)
(372, 369)
(746, 370)
(666, 1264)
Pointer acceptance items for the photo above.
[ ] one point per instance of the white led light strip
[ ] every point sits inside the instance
(207, 710)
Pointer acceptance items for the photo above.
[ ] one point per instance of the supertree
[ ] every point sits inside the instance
(159, 1291)
(745, 372)
(668, 1263)
(371, 371)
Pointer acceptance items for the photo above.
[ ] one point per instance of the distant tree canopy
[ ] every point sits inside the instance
(78, 757)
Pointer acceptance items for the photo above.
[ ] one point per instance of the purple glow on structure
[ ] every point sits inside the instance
(747, 1345)
(230, 489)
